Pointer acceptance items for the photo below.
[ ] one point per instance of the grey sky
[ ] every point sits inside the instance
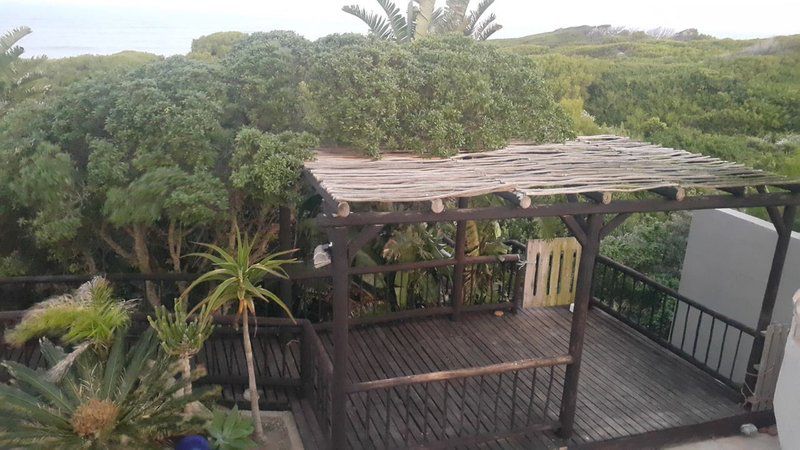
(70, 24)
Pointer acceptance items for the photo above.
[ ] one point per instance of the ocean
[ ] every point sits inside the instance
(69, 30)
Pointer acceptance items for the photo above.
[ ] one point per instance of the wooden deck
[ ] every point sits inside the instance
(628, 384)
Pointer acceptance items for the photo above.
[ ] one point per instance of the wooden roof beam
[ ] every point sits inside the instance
(738, 191)
(673, 193)
(516, 198)
(329, 204)
(794, 188)
(437, 205)
(599, 197)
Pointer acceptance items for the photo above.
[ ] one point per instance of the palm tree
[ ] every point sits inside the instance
(456, 18)
(239, 277)
(422, 18)
(16, 75)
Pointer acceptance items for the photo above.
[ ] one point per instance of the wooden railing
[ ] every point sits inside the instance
(317, 372)
(711, 341)
(420, 288)
(456, 407)
(276, 344)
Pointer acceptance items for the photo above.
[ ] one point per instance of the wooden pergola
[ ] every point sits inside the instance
(592, 183)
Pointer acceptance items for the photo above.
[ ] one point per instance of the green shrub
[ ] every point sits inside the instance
(435, 96)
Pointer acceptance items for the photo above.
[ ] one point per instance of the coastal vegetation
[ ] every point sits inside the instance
(124, 161)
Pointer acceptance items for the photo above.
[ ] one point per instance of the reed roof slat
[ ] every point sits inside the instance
(587, 164)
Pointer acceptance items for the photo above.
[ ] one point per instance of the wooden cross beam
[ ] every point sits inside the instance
(366, 234)
(612, 224)
(575, 227)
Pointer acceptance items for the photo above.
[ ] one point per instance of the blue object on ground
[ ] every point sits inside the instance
(193, 442)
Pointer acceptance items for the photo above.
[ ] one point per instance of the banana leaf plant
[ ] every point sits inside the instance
(238, 276)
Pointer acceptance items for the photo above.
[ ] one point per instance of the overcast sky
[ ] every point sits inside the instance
(59, 20)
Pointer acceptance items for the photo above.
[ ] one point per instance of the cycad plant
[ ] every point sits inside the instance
(422, 18)
(238, 276)
(122, 399)
(182, 335)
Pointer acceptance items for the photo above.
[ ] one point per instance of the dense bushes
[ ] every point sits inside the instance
(433, 96)
(126, 168)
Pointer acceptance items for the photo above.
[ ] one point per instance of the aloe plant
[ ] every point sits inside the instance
(122, 399)
(238, 276)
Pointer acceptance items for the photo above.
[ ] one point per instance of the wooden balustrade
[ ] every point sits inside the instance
(457, 407)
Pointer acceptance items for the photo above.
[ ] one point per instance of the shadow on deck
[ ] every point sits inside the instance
(628, 385)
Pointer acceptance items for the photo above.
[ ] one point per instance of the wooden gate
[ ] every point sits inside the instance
(551, 272)
(771, 359)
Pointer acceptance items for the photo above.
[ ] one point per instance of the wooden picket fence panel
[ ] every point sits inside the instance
(771, 359)
(551, 272)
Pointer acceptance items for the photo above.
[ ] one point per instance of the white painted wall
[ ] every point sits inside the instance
(728, 258)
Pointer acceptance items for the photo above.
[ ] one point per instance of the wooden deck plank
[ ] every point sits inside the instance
(629, 385)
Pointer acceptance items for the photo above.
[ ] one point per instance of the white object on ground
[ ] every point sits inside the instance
(748, 429)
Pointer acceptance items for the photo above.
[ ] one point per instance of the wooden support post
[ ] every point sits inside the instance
(307, 359)
(583, 294)
(285, 242)
(783, 225)
(519, 287)
(367, 234)
(341, 312)
(575, 228)
(458, 269)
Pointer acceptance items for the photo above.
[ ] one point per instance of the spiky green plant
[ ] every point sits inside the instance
(122, 399)
(17, 75)
(90, 314)
(238, 277)
(182, 335)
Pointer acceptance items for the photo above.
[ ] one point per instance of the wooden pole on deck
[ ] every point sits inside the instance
(783, 226)
(583, 293)
(341, 312)
(285, 242)
(460, 256)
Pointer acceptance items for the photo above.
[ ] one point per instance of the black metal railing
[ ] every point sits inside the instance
(711, 341)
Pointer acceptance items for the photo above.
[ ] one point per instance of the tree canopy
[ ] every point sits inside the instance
(130, 165)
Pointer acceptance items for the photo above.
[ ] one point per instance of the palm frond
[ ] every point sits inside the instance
(396, 20)
(35, 381)
(9, 40)
(475, 15)
(487, 28)
(377, 24)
